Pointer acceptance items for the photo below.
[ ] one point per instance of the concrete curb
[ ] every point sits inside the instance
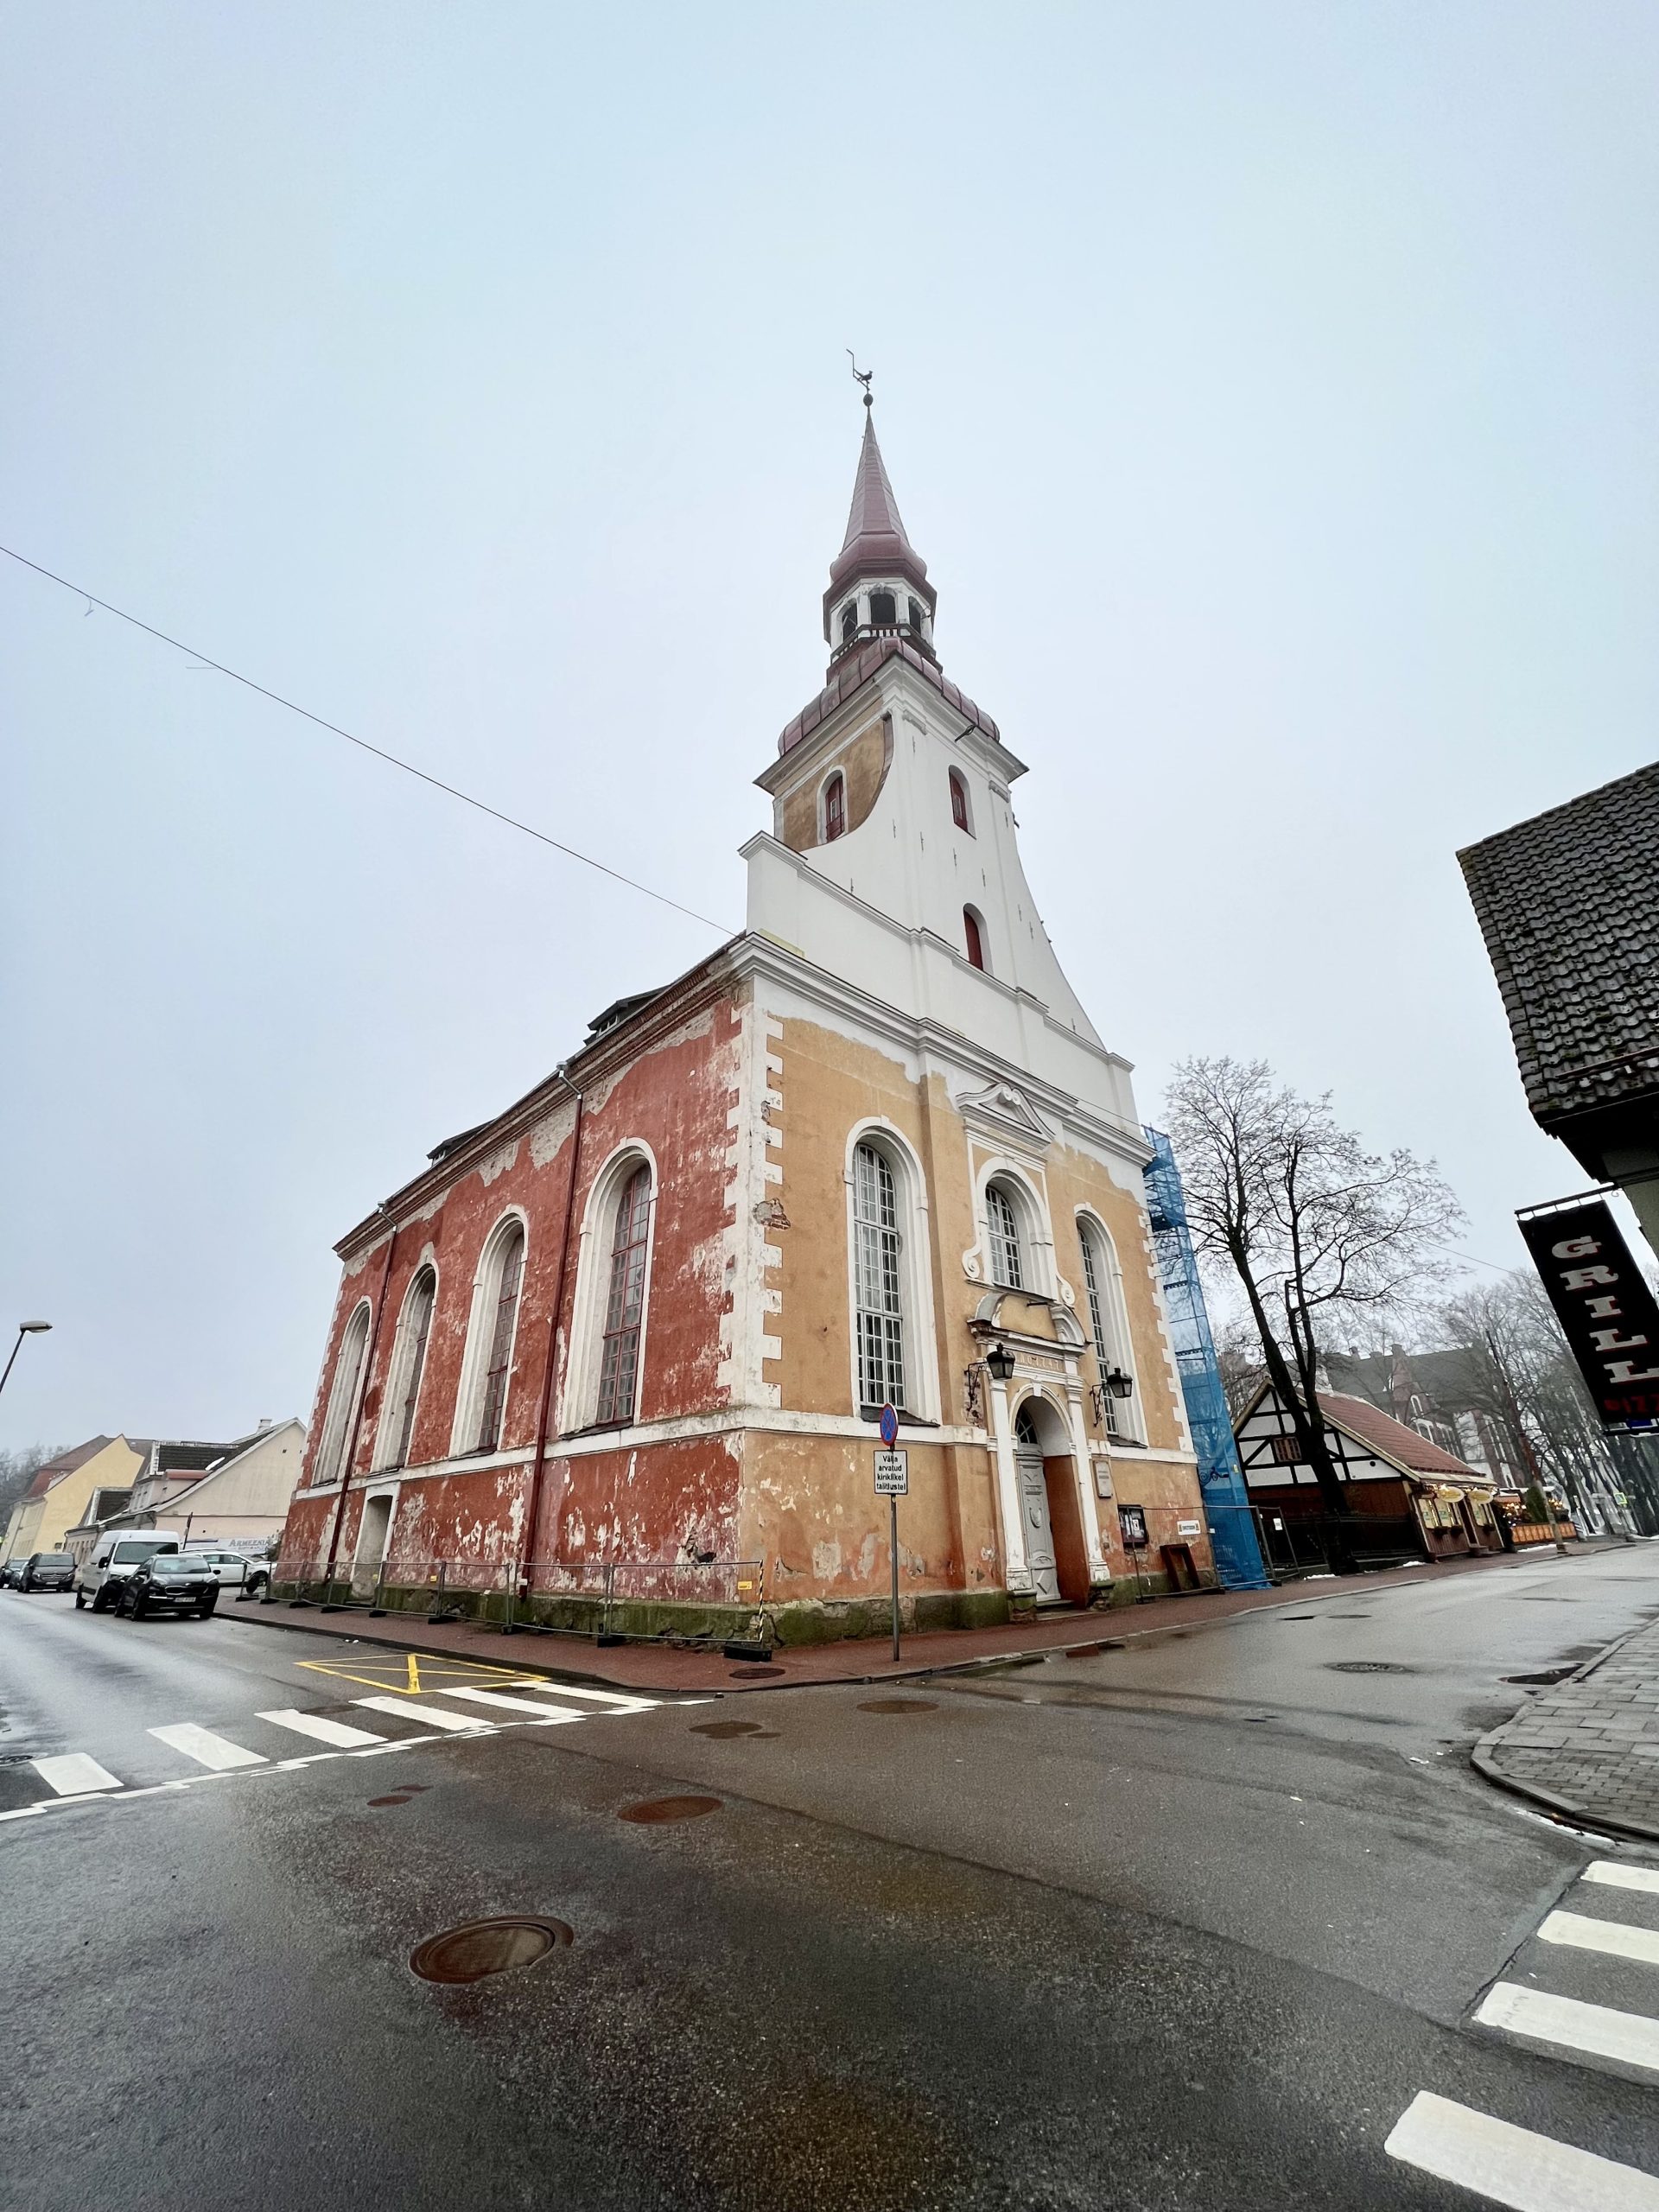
(1484, 1759)
(1025, 1655)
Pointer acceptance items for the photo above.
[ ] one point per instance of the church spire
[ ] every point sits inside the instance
(878, 581)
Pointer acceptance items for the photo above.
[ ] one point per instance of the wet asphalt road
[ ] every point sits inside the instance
(1183, 1927)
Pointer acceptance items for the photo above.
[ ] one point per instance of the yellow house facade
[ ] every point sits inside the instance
(58, 1497)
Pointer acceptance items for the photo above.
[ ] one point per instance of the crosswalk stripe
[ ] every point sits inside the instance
(515, 1703)
(71, 1774)
(1511, 2165)
(616, 1699)
(1612, 1936)
(434, 1716)
(207, 1749)
(1617, 1876)
(314, 1724)
(1630, 2038)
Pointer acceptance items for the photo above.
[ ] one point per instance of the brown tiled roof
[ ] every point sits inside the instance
(856, 670)
(1370, 1425)
(1566, 903)
(46, 1478)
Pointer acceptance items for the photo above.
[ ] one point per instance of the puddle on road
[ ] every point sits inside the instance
(723, 1730)
(901, 1705)
(1368, 1667)
(753, 1673)
(480, 1948)
(650, 1811)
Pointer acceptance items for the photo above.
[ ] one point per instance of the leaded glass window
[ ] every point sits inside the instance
(625, 1301)
(509, 1273)
(1007, 1267)
(877, 1280)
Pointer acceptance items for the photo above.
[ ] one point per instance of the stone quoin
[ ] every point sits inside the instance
(636, 1332)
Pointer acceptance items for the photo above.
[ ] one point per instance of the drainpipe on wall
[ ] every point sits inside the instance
(544, 1409)
(350, 1460)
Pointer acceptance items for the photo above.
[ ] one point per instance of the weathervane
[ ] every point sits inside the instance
(863, 376)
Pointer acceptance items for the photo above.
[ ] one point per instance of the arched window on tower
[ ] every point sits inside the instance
(883, 611)
(878, 1282)
(959, 802)
(916, 616)
(849, 621)
(973, 931)
(1008, 1251)
(625, 1301)
(501, 1317)
(835, 807)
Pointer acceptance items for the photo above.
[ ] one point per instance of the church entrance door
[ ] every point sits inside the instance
(1034, 1510)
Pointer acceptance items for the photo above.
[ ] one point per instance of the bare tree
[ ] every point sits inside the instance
(1315, 1228)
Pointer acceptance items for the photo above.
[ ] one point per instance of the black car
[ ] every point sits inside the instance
(48, 1570)
(172, 1582)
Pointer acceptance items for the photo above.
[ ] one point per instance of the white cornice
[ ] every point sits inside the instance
(893, 681)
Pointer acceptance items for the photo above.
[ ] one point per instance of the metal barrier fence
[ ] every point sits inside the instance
(614, 1600)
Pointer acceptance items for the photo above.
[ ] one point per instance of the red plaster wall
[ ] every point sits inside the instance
(675, 1097)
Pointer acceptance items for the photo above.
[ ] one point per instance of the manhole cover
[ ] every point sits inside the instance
(1367, 1667)
(651, 1810)
(721, 1729)
(898, 1705)
(753, 1673)
(479, 1947)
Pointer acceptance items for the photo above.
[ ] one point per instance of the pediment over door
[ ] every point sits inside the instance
(1005, 1109)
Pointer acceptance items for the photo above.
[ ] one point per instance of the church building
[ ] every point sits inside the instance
(631, 1337)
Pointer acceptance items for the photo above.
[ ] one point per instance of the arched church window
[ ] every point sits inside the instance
(916, 616)
(625, 1302)
(501, 1315)
(975, 935)
(835, 807)
(877, 1278)
(1109, 1328)
(1008, 1256)
(959, 803)
(408, 1365)
(342, 1399)
(884, 610)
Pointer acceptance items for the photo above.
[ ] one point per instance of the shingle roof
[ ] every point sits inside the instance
(1372, 1426)
(1566, 903)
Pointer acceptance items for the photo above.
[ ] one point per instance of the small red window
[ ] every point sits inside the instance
(959, 801)
(970, 930)
(835, 809)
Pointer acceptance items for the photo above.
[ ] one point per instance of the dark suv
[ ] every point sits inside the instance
(46, 1571)
(172, 1582)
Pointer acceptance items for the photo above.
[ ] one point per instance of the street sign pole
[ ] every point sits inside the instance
(892, 1554)
(893, 1475)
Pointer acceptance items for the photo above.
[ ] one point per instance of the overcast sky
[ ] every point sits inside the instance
(1270, 388)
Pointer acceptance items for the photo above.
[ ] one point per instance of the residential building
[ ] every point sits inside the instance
(637, 1328)
(1405, 1496)
(238, 1493)
(62, 1489)
(1444, 1395)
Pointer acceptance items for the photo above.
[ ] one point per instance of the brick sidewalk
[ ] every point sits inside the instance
(660, 1667)
(1589, 1747)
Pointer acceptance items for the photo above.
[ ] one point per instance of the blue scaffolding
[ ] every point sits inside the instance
(1227, 1505)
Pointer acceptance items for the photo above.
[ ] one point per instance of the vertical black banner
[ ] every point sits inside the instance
(1604, 1306)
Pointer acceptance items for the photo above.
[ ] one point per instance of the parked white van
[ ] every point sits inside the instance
(99, 1584)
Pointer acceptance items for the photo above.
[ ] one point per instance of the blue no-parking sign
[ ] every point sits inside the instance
(889, 1425)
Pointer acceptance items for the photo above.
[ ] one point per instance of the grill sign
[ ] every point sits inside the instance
(1605, 1308)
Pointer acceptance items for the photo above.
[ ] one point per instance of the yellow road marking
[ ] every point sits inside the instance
(410, 1676)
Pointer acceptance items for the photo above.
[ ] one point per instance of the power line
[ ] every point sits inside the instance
(392, 760)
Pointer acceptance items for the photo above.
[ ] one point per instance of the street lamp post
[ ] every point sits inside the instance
(24, 1329)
